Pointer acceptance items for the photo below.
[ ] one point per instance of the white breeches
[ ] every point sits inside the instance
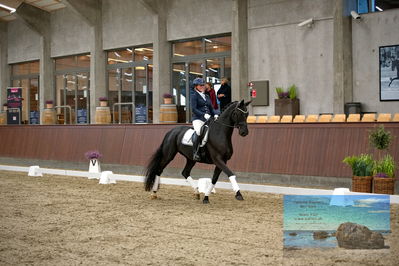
(197, 124)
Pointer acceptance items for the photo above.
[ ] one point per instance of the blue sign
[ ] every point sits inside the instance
(141, 114)
(82, 116)
(34, 118)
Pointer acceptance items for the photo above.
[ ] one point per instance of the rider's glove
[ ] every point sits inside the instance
(207, 116)
(216, 117)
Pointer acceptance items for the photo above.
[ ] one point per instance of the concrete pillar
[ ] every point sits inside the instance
(342, 56)
(239, 52)
(91, 12)
(4, 68)
(162, 50)
(39, 21)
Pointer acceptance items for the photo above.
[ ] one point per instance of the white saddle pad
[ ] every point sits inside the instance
(187, 138)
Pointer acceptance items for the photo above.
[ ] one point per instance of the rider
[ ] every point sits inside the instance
(202, 110)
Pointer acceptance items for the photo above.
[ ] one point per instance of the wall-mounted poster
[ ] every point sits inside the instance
(389, 73)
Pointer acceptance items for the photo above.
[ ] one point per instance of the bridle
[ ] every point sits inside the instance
(235, 124)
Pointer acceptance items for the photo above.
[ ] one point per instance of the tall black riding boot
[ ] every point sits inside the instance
(196, 144)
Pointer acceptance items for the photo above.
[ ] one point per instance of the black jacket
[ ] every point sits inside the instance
(226, 90)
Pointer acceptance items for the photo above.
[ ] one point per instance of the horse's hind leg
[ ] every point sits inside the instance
(186, 173)
(169, 155)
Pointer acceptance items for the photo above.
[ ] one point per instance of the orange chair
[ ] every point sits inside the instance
(312, 118)
(251, 119)
(368, 118)
(339, 118)
(286, 119)
(325, 118)
(353, 118)
(384, 118)
(299, 119)
(274, 119)
(262, 119)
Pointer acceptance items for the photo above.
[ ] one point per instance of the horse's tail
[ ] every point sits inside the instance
(153, 169)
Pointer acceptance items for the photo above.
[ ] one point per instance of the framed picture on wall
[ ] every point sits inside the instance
(389, 73)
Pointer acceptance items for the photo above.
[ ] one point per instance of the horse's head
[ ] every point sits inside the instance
(239, 117)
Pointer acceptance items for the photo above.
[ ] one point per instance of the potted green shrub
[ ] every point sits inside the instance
(287, 102)
(384, 168)
(384, 175)
(362, 170)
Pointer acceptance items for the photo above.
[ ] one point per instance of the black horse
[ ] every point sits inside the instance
(218, 150)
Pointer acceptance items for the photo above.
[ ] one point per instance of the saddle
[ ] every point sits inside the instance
(188, 136)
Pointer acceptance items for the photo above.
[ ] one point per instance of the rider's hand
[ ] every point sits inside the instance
(207, 116)
(216, 117)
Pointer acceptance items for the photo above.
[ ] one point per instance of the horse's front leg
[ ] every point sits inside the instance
(222, 165)
(215, 178)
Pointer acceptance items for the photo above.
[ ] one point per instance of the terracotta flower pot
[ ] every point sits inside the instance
(167, 100)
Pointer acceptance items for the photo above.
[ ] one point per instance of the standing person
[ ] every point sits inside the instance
(212, 95)
(224, 94)
(202, 110)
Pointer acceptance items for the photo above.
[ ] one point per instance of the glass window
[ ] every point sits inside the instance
(143, 54)
(217, 45)
(70, 62)
(187, 48)
(120, 56)
(213, 70)
(25, 68)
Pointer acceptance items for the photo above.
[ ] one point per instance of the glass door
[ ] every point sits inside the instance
(126, 107)
(73, 96)
(140, 94)
(34, 113)
(82, 98)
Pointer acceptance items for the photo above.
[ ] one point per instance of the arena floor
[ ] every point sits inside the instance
(59, 220)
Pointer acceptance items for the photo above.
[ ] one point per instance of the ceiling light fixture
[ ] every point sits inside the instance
(12, 10)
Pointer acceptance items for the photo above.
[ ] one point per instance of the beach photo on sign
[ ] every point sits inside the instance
(315, 221)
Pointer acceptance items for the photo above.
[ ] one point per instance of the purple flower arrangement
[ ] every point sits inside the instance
(103, 99)
(383, 175)
(168, 95)
(90, 155)
(49, 102)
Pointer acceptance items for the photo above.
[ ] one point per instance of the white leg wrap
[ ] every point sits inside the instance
(234, 183)
(209, 190)
(156, 183)
(190, 180)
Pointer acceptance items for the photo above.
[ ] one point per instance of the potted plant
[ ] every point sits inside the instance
(287, 102)
(384, 175)
(94, 164)
(384, 169)
(5, 107)
(167, 98)
(103, 101)
(362, 169)
(49, 104)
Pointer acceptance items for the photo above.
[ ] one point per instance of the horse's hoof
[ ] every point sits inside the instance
(197, 196)
(205, 200)
(239, 196)
(153, 196)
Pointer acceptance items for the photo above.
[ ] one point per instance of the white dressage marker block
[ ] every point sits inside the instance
(341, 197)
(106, 179)
(94, 166)
(203, 184)
(34, 171)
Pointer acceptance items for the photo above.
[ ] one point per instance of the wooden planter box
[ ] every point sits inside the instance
(286, 107)
(362, 184)
(384, 185)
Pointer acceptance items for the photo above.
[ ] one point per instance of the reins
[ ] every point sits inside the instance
(235, 125)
